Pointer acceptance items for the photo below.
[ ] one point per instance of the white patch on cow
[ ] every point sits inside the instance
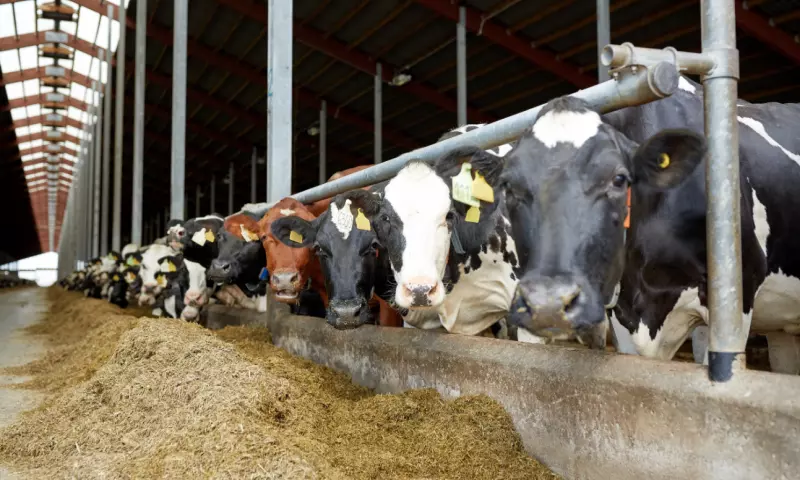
(258, 208)
(498, 151)
(261, 303)
(566, 126)
(150, 265)
(685, 315)
(157, 312)
(169, 306)
(189, 313)
(197, 276)
(342, 218)
(758, 127)
(421, 200)
(209, 217)
(760, 221)
(129, 248)
(525, 336)
(623, 341)
(684, 85)
(777, 304)
(287, 211)
(501, 150)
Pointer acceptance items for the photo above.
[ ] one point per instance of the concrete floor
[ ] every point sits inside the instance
(18, 309)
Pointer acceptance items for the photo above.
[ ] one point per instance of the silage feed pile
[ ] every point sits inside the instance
(161, 398)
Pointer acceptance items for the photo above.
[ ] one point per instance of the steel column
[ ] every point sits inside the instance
(279, 99)
(378, 121)
(181, 25)
(106, 156)
(213, 189)
(230, 189)
(253, 173)
(138, 123)
(461, 64)
(728, 329)
(116, 226)
(323, 142)
(197, 195)
(96, 164)
(603, 37)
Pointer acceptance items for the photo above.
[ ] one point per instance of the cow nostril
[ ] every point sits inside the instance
(226, 267)
(572, 299)
(432, 290)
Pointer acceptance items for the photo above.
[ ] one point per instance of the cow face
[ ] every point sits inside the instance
(288, 267)
(117, 291)
(148, 269)
(175, 234)
(237, 257)
(347, 247)
(565, 185)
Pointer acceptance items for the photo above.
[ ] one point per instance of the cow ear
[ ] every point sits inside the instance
(366, 201)
(294, 231)
(667, 158)
(485, 171)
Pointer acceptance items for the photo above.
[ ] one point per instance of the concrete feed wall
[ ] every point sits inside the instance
(587, 415)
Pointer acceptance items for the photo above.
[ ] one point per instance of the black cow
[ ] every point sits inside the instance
(118, 290)
(661, 308)
(241, 263)
(354, 263)
(565, 185)
(197, 238)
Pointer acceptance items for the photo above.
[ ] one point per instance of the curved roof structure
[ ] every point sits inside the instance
(520, 54)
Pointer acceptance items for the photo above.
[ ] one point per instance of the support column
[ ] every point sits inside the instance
(138, 123)
(461, 64)
(723, 235)
(96, 162)
(104, 218)
(603, 37)
(116, 228)
(279, 99)
(178, 176)
(378, 153)
(230, 189)
(323, 142)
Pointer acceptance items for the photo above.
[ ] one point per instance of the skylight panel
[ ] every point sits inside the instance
(35, 175)
(8, 58)
(37, 182)
(14, 90)
(87, 24)
(31, 87)
(26, 16)
(18, 113)
(7, 26)
(28, 56)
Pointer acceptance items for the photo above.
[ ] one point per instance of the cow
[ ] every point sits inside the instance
(466, 289)
(241, 263)
(197, 238)
(151, 257)
(660, 310)
(355, 265)
(565, 183)
(291, 270)
(118, 289)
(183, 284)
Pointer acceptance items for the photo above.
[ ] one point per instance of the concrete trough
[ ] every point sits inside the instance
(586, 414)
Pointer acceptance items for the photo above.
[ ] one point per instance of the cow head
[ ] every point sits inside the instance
(417, 217)
(118, 289)
(565, 185)
(287, 266)
(175, 234)
(241, 254)
(347, 247)
(147, 271)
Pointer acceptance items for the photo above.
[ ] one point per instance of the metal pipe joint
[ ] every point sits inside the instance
(617, 57)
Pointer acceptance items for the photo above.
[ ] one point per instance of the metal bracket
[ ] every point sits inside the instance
(617, 57)
(725, 63)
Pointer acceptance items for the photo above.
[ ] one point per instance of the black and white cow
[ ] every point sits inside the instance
(661, 308)
(241, 263)
(197, 238)
(565, 184)
(354, 263)
(151, 256)
(183, 284)
(466, 288)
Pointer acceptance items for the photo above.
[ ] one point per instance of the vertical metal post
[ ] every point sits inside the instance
(723, 234)
(98, 153)
(181, 26)
(323, 142)
(378, 154)
(104, 219)
(603, 37)
(116, 225)
(230, 189)
(213, 189)
(197, 195)
(185, 212)
(253, 173)
(461, 64)
(138, 123)
(279, 99)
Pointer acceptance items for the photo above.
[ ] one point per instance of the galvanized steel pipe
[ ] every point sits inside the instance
(138, 123)
(178, 167)
(104, 219)
(116, 224)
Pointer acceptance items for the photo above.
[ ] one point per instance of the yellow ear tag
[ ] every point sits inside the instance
(162, 281)
(171, 267)
(362, 222)
(473, 215)
(481, 190)
(462, 186)
(133, 261)
(210, 236)
(200, 237)
(295, 237)
(247, 234)
(115, 278)
(664, 163)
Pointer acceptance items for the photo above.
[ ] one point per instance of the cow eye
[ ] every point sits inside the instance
(319, 250)
(619, 181)
(375, 245)
(180, 234)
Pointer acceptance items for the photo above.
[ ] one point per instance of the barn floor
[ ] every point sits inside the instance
(19, 308)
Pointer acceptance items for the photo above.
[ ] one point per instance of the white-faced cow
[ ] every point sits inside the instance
(454, 264)
(565, 184)
(667, 238)
(148, 269)
(354, 263)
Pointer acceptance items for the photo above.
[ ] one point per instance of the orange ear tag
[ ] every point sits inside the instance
(627, 223)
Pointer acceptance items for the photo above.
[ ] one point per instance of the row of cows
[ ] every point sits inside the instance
(585, 221)
(11, 280)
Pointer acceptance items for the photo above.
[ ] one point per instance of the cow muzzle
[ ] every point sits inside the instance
(195, 299)
(348, 314)
(286, 285)
(420, 292)
(220, 271)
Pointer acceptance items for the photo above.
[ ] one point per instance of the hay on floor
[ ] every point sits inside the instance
(161, 398)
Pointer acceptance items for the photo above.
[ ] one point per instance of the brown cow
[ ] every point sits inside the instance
(318, 208)
(290, 268)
